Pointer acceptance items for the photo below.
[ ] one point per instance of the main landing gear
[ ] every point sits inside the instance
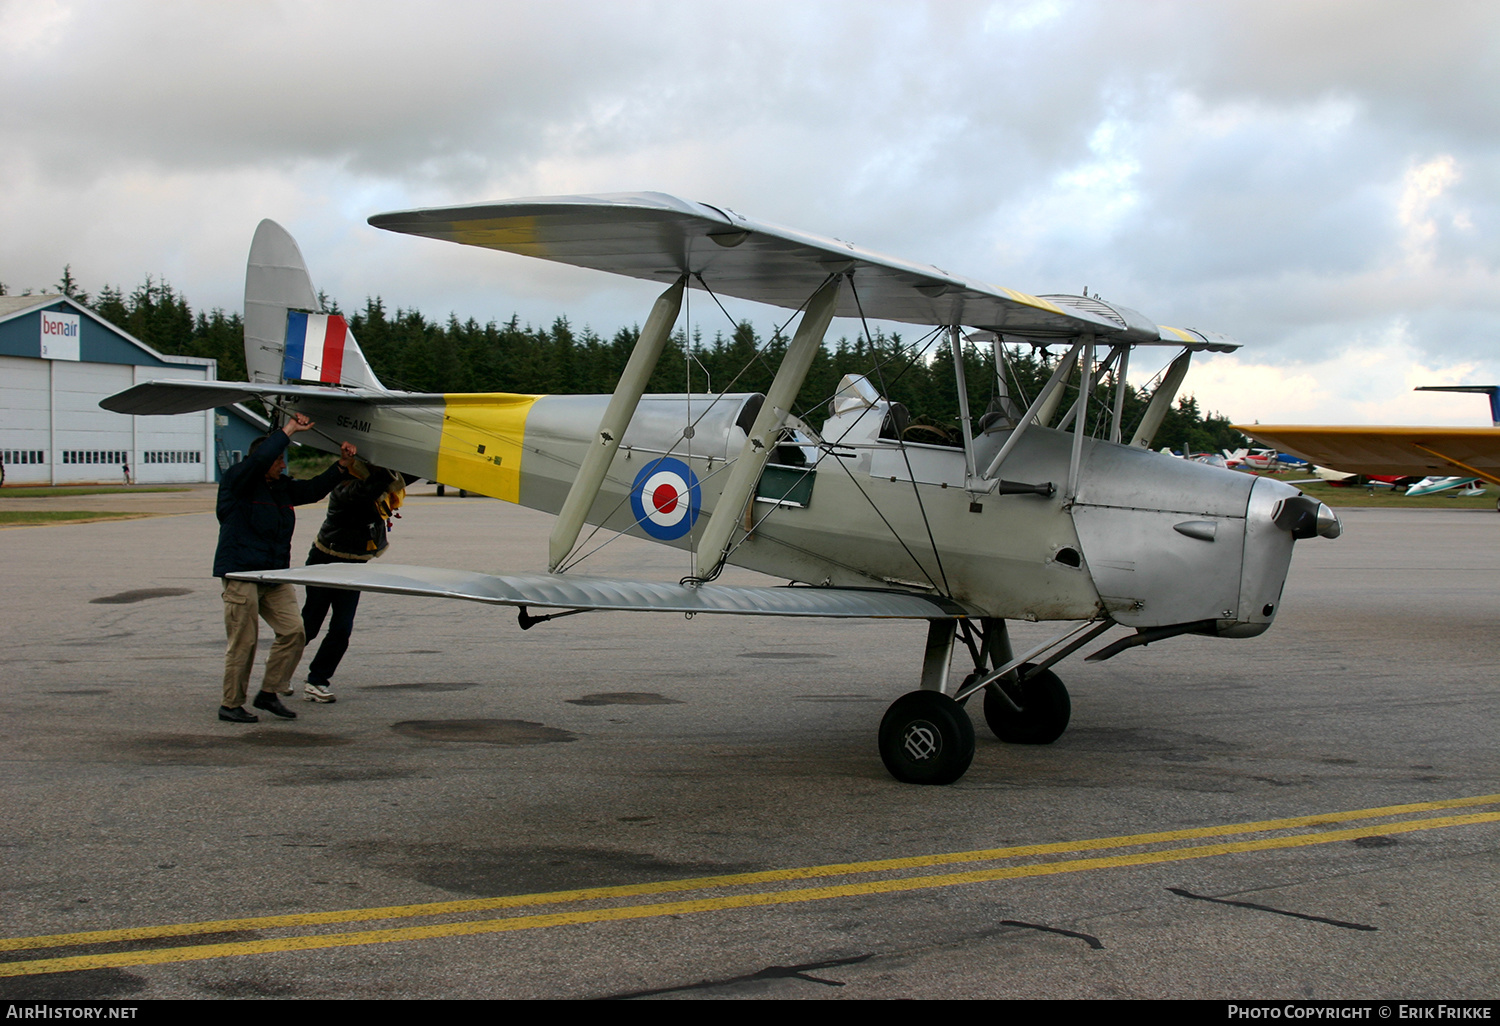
(927, 737)
(1031, 710)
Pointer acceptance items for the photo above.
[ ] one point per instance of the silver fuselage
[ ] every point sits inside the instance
(1147, 539)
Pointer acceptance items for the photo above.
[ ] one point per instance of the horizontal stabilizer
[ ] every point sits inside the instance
(151, 398)
(571, 591)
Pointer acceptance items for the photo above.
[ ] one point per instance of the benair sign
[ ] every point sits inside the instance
(59, 336)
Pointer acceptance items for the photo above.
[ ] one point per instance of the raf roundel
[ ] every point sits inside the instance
(665, 499)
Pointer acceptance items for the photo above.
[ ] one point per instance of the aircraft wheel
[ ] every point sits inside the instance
(926, 738)
(1045, 709)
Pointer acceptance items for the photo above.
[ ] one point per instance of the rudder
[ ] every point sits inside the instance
(287, 336)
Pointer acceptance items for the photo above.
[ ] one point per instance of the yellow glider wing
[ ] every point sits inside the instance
(1404, 451)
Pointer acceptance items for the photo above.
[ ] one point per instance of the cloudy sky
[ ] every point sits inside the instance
(1319, 179)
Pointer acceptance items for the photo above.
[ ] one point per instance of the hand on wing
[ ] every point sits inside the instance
(347, 452)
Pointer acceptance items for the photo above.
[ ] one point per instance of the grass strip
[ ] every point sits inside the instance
(1382, 497)
(47, 492)
(37, 518)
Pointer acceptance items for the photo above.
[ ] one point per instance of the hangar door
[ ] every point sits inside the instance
(91, 444)
(25, 445)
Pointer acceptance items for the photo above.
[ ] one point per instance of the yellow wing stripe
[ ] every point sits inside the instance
(1030, 300)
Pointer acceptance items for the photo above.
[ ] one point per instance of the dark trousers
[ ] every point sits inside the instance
(344, 604)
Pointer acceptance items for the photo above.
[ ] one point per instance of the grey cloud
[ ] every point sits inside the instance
(1247, 156)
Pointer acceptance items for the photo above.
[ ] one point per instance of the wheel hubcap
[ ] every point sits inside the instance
(922, 741)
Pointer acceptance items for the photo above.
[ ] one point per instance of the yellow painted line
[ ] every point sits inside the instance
(162, 956)
(440, 908)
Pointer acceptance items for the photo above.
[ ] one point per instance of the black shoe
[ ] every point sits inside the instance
(239, 715)
(271, 703)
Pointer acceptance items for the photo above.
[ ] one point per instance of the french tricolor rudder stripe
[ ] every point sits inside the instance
(296, 337)
(314, 347)
(333, 349)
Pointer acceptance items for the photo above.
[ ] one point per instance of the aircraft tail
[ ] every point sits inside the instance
(288, 337)
(1493, 391)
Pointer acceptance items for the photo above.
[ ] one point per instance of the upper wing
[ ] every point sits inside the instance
(1404, 451)
(571, 591)
(658, 237)
(171, 396)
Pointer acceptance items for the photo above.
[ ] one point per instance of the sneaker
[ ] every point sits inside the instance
(317, 693)
(236, 715)
(271, 703)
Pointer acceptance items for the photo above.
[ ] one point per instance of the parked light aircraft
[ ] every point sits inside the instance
(1030, 518)
(1396, 452)
(1467, 486)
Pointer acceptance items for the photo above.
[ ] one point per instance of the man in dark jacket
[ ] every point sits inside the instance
(354, 531)
(256, 521)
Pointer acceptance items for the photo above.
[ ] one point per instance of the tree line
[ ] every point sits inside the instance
(409, 351)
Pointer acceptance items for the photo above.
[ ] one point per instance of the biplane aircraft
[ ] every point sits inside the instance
(1028, 517)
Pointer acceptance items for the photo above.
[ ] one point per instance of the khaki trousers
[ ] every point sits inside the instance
(244, 603)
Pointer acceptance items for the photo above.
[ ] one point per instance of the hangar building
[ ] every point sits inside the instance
(57, 360)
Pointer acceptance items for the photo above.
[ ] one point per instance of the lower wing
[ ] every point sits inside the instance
(572, 591)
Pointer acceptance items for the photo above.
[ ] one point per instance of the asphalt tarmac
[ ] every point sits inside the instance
(626, 805)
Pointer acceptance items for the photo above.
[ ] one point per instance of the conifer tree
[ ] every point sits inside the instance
(407, 351)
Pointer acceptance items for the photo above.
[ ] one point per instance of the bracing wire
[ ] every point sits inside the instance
(901, 442)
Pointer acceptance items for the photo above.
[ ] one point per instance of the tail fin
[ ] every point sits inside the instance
(1493, 391)
(287, 336)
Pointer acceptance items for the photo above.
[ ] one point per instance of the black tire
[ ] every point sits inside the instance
(1045, 709)
(926, 738)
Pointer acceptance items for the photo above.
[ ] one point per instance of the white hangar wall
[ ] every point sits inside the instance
(57, 360)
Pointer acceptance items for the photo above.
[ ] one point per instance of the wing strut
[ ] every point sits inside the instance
(612, 425)
(773, 413)
(1064, 367)
(1080, 414)
(1161, 401)
(1046, 414)
(1117, 423)
(962, 380)
(1491, 478)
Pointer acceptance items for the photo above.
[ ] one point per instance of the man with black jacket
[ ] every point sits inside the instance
(256, 521)
(354, 531)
